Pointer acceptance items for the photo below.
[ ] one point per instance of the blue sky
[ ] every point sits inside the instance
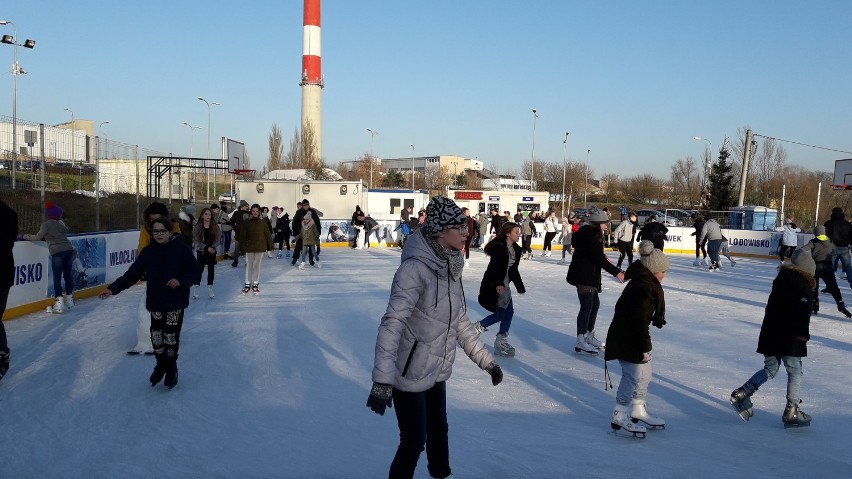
(633, 81)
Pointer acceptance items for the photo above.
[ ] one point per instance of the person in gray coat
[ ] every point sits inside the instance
(712, 233)
(416, 344)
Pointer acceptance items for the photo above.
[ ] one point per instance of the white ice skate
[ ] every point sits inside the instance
(502, 346)
(621, 422)
(58, 306)
(594, 341)
(69, 301)
(195, 289)
(302, 265)
(582, 346)
(210, 293)
(697, 262)
(638, 413)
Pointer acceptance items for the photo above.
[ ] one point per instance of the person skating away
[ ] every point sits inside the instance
(653, 231)
(628, 340)
(624, 235)
(416, 344)
(170, 269)
(282, 233)
(725, 250)
(789, 241)
(8, 235)
(784, 335)
(822, 251)
(700, 249)
(205, 237)
(839, 231)
(527, 232)
(186, 222)
(565, 238)
(550, 230)
(494, 292)
(309, 236)
(712, 233)
(220, 214)
(238, 217)
(55, 233)
(255, 240)
(584, 273)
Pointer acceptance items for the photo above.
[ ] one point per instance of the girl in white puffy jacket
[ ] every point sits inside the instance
(789, 240)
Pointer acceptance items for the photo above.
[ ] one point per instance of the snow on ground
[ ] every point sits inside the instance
(276, 385)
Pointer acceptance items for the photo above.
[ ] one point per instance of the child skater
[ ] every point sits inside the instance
(628, 340)
(783, 338)
(170, 269)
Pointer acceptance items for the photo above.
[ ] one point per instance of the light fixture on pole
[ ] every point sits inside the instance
(16, 70)
(372, 158)
(191, 141)
(564, 152)
(705, 190)
(532, 156)
(191, 136)
(209, 106)
(586, 180)
(412, 166)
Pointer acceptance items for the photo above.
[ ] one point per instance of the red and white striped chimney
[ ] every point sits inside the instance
(312, 81)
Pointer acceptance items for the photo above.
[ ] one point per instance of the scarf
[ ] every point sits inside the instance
(452, 257)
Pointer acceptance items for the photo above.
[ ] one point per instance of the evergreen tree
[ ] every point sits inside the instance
(721, 183)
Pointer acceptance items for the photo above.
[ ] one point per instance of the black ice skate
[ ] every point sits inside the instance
(795, 417)
(842, 308)
(4, 363)
(741, 401)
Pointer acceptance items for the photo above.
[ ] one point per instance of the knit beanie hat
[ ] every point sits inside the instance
(442, 214)
(189, 209)
(597, 216)
(52, 211)
(243, 204)
(819, 230)
(804, 260)
(652, 258)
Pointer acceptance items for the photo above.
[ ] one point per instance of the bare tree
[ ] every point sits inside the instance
(644, 188)
(437, 180)
(610, 184)
(276, 149)
(685, 182)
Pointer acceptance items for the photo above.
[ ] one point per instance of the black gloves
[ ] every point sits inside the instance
(658, 321)
(496, 373)
(380, 398)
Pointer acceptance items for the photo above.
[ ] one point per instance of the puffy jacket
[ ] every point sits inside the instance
(495, 275)
(425, 318)
(789, 237)
(711, 231)
(309, 235)
(589, 259)
(254, 236)
(821, 249)
(625, 231)
(159, 263)
(550, 225)
(788, 314)
(641, 303)
(205, 238)
(55, 233)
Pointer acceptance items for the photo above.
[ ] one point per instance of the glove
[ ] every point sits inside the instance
(646, 357)
(380, 398)
(496, 373)
(659, 322)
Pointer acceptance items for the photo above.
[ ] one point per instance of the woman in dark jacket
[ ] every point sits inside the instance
(628, 340)
(170, 269)
(8, 233)
(654, 231)
(783, 338)
(585, 274)
(494, 292)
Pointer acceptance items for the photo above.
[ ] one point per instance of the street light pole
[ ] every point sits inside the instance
(586, 180)
(412, 166)
(16, 70)
(98, 179)
(372, 158)
(532, 156)
(191, 142)
(209, 106)
(564, 152)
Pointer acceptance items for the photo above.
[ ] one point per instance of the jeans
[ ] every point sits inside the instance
(61, 263)
(422, 420)
(842, 253)
(634, 382)
(713, 247)
(589, 304)
(794, 375)
(502, 316)
(227, 237)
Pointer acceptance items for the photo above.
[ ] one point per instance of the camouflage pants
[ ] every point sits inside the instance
(165, 332)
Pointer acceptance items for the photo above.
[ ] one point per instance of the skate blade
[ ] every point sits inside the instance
(648, 426)
(134, 353)
(791, 425)
(588, 353)
(618, 431)
(745, 413)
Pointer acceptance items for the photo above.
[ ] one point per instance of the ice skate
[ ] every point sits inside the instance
(842, 308)
(479, 327)
(795, 417)
(269, 254)
(549, 253)
(4, 363)
(582, 346)
(697, 262)
(705, 262)
(235, 263)
(621, 422)
(69, 301)
(158, 372)
(733, 263)
(246, 289)
(58, 306)
(741, 401)
(255, 289)
(594, 341)
(638, 413)
(171, 378)
(302, 265)
(210, 294)
(467, 263)
(288, 253)
(561, 261)
(195, 289)
(502, 346)
(280, 255)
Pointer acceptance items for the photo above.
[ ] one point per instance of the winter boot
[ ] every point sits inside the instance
(269, 254)
(195, 289)
(621, 421)
(741, 401)
(842, 308)
(795, 417)
(593, 340)
(638, 413)
(171, 378)
(502, 346)
(58, 306)
(582, 346)
(246, 289)
(159, 370)
(4, 363)
(69, 301)
(210, 291)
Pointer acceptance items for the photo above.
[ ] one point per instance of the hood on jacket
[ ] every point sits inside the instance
(186, 217)
(837, 214)
(804, 281)
(586, 235)
(417, 248)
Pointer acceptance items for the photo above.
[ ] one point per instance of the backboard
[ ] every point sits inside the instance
(842, 175)
(235, 152)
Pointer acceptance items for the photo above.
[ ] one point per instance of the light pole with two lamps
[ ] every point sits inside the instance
(564, 153)
(209, 106)
(16, 70)
(73, 148)
(191, 142)
(372, 158)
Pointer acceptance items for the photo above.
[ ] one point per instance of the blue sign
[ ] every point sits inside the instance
(527, 198)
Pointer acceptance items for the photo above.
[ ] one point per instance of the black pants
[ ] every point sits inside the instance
(4, 296)
(700, 248)
(825, 272)
(467, 247)
(209, 260)
(548, 238)
(422, 420)
(165, 332)
(589, 305)
(625, 248)
(785, 251)
(527, 244)
(297, 250)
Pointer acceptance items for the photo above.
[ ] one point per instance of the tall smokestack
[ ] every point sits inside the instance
(312, 82)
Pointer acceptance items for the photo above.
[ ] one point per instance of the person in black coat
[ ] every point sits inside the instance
(628, 339)
(494, 292)
(653, 231)
(700, 249)
(783, 337)
(8, 233)
(170, 269)
(585, 274)
(839, 231)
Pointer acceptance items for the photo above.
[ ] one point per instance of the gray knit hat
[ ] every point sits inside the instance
(243, 204)
(596, 216)
(804, 260)
(188, 209)
(819, 230)
(442, 214)
(652, 258)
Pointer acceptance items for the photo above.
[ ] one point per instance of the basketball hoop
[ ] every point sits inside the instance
(245, 175)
